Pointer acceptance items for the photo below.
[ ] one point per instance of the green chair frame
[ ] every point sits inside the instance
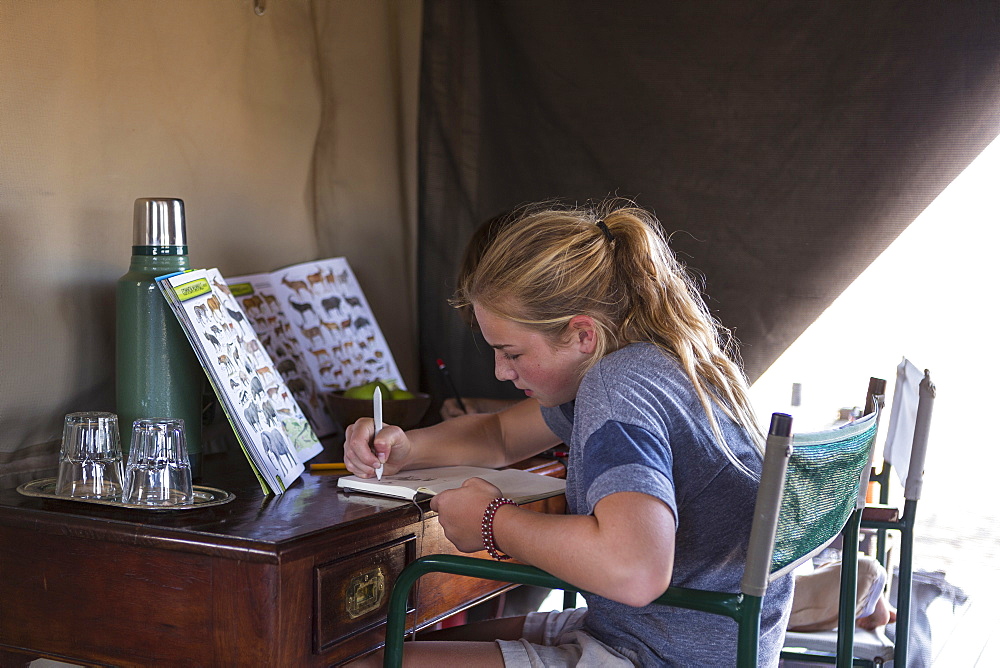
(903, 523)
(906, 522)
(776, 544)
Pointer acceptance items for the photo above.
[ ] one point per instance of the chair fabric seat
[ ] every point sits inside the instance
(871, 646)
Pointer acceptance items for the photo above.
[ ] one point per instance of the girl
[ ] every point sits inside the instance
(596, 321)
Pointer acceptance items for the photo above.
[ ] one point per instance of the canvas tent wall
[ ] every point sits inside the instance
(774, 139)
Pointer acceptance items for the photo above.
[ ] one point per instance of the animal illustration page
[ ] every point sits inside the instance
(268, 421)
(316, 324)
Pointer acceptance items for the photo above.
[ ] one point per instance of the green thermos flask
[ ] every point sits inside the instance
(157, 372)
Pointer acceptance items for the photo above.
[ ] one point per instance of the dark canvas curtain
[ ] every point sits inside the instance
(783, 144)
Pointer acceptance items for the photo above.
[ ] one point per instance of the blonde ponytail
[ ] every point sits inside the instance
(614, 264)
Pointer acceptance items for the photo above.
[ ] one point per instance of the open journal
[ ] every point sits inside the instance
(517, 485)
(271, 428)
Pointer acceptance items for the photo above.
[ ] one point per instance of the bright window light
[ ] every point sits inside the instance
(932, 297)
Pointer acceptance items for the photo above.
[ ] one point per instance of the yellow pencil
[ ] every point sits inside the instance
(332, 466)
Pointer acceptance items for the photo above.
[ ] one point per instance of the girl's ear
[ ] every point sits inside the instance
(583, 333)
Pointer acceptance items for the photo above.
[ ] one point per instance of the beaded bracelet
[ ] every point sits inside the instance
(488, 541)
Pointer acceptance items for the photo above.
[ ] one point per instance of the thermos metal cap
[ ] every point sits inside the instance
(159, 221)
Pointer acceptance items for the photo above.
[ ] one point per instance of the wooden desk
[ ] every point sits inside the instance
(300, 579)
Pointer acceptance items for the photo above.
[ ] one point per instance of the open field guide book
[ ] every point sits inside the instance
(314, 321)
(515, 484)
(271, 428)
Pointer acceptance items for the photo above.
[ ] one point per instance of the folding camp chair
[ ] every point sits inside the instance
(809, 488)
(905, 448)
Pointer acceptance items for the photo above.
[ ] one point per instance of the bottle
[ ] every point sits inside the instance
(157, 372)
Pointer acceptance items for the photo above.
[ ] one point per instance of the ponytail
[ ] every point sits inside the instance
(614, 264)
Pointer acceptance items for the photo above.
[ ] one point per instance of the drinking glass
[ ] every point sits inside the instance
(90, 458)
(158, 472)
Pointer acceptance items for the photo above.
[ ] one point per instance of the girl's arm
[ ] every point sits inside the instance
(491, 440)
(624, 551)
(473, 405)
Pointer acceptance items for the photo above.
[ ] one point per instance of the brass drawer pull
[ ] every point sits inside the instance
(365, 592)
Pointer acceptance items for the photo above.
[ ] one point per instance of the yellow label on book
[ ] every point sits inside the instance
(241, 289)
(193, 289)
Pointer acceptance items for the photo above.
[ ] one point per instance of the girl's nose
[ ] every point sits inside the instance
(503, 368)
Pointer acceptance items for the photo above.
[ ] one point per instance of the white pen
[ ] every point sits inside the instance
(377, 410)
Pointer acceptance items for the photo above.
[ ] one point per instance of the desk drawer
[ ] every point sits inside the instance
(352, 594)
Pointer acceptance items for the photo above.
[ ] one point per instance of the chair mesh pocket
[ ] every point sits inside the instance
(821, 488)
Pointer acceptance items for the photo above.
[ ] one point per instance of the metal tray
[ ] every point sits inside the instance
(203, 496)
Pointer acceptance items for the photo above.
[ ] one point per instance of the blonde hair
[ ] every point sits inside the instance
(481, 239)
(554, 263)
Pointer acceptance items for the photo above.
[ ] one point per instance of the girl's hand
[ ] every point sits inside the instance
(474, 405)
(363, 448)
(451, 409)
(460, 512)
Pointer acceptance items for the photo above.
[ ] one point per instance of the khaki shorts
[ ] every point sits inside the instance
(816, 603)
(555, 639)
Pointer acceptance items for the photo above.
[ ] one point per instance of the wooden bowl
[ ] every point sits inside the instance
(403, 413)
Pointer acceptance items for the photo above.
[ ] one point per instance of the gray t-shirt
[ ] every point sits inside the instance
(636, 425)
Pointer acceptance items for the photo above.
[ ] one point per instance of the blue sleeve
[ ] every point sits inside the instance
(622, 457)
